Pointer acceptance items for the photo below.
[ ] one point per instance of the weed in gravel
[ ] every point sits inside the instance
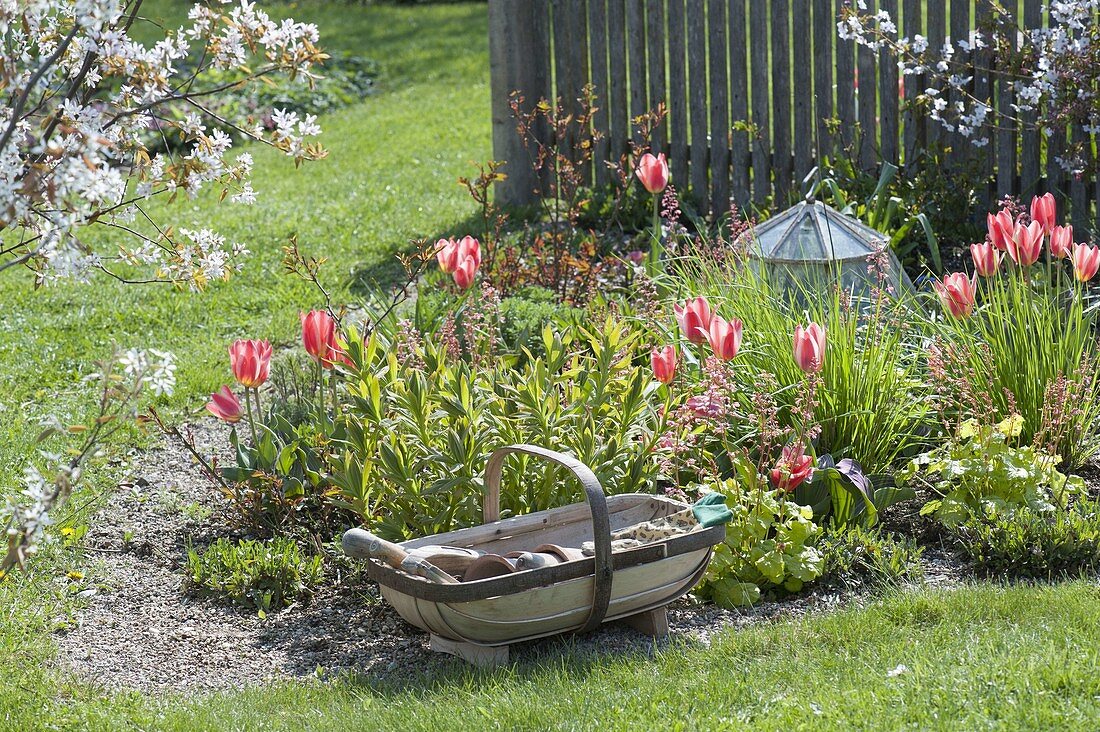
(857, 557)
(263, 575)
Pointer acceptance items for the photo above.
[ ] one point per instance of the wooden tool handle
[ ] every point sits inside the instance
(362, 544)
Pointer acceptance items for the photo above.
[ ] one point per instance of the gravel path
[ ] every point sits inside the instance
(141, 630)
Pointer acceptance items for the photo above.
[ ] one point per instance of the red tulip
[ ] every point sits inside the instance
(1000, 227)
(694, 318)
(465, 273)
(794, 468)
(1043, 211)
(225, 406)
(809, 347)
(653, 172)
(250, 361)
(957, 294)
(446, 253)
(724, 337)
(319, 336)
(664, 364)
(1086, 261)
(1061, 241)
(1026, 244)
(987, 260)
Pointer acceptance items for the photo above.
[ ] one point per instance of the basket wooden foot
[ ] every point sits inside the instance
(652, 622)
(483, 656)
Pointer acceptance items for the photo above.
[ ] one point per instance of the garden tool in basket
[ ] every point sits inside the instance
(710, 510)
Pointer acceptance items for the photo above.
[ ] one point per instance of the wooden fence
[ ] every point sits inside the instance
(757, 91)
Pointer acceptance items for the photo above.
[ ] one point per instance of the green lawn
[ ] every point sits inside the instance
(980, 657)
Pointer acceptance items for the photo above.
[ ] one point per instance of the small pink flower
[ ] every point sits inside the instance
(635, 257)
(1061, 241)
(1086, 261)
(1043, 211)
(225, 406)
(663, 362)
(465, 273)
(1000, 227)
(250, 361)
(957, 294)
(793, 469)
(1026, 244)
(724, 337)
(694, 318)
(809, 347)
(653, 172)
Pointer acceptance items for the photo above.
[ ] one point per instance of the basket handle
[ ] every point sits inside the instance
(597, 504)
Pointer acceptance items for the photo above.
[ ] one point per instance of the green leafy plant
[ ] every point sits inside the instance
(841, 493)
(418, 435)
(769, 544)
(1024, 542)
(858, 557)
(982, 470)
(264, 575)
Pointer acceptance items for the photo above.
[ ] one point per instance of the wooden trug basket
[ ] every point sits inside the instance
(477, 620)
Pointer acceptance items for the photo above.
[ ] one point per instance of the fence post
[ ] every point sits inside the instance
(519, 60)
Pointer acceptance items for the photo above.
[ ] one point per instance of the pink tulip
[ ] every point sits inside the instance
(225, 406)
(794, 468)
(987, 260)
(469, 247)
(664, 364)
(1061, 241)
(724, 337)
(1086, 261)
(653, 172)
(957, 294)
(809, 347)
(465, 273)
(446, 253)
(1000, 227)
(1026, 244)
(694, 318)
(1043, 211)
(250, 361)
(319, 336)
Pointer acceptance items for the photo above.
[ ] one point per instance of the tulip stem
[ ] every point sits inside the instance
(655, 247)
(248, 409)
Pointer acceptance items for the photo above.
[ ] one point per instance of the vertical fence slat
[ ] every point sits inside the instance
(935, 18)
(781, 99)
(983, 91)
(761, 79)
(635, 41)
(888, 96)
(912, 120)
(845, 84)
(655, 26)
(616, 44)
(1078, 189)
(677, 93)
(1031, 146)
(866, 104)
(519, 60)
(739, 101)
(597, 64)
(1056, 142)
(719, 109)
(1006, 133)
(697, 91)
(960, 31)
(824, 21)
(801, 50)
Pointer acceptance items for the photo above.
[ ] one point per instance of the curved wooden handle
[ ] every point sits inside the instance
(597, 504)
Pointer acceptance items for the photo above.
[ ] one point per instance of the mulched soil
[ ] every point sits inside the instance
(141, 628)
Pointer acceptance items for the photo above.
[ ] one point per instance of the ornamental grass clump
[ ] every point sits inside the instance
(1021, 338)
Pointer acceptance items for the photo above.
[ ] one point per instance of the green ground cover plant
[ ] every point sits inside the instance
(262, 575)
